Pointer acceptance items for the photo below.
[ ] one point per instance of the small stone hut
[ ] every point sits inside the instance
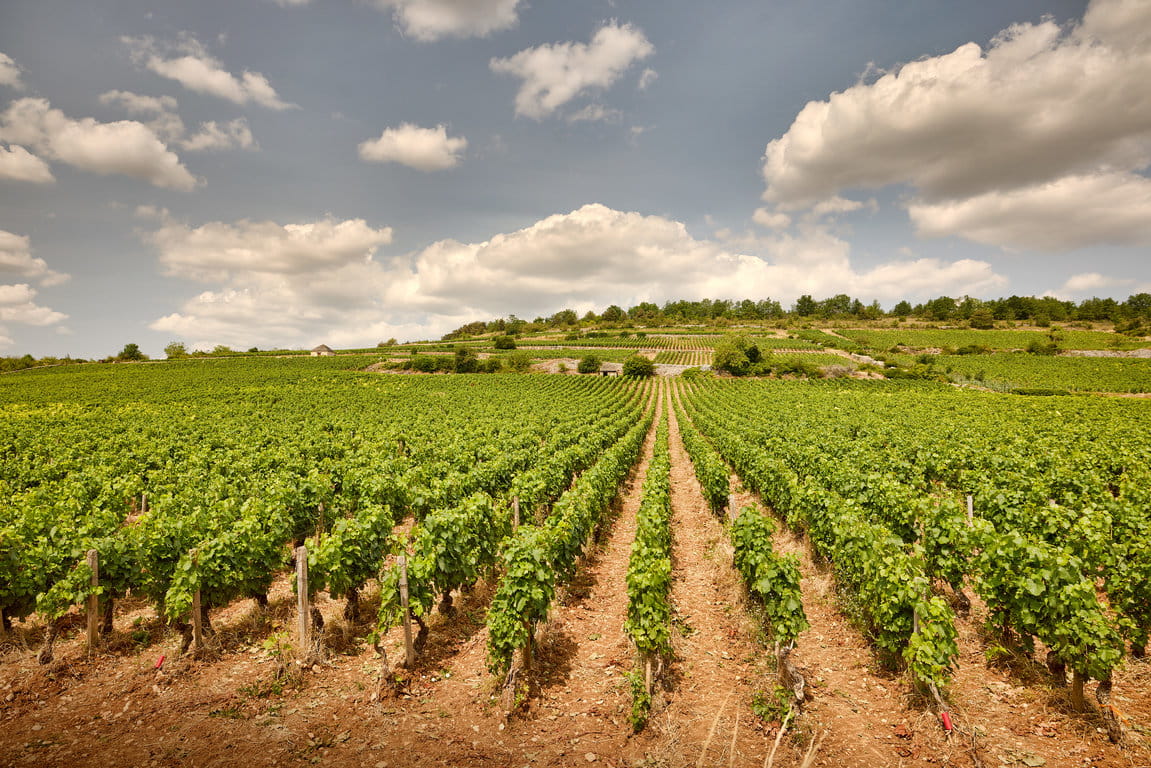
(322, 351)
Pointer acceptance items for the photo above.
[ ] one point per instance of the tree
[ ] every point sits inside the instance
(982, 320)
(173, 351)
(805, 306)
(588, 364)
(131, 352)
(902, 309)
(613, 314)
(638, 366)
(504, 342)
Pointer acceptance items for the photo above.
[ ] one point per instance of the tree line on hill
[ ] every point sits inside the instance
(1042, 310)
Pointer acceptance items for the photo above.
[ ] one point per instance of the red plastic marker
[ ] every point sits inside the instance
(946, 718)
(159, 663)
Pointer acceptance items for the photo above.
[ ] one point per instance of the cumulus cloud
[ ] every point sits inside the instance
(190, 64)
(1071, 212)
(18, 300)
(19, 164)
(17, 305)
(554, 74)
(16, 260)
(425, 149)
(10, 73)
(585, 259)
(165, 123)
(123, 147)
(1040, 110)
(218, 251)
(1088, 283)
(428, 20)
(646, 78)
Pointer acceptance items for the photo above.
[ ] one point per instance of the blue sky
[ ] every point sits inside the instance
(263, 173)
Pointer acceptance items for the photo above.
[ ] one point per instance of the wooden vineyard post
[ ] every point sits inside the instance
(409, 647)
(303, 613)
(93, 601)
(970, 510)
(515, 512)
(731, 513)
(197, 624)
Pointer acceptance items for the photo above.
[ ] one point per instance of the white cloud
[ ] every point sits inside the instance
(138, 104)
(646, 78)
(428, 20)
(213, 136)
(166, 124)
(594, 113)
(1088, 284)
(1071, 212)
(218, 251)
(1040, 106)
(17, 305)
(188, 62)
(771, 219)
(16, 259)
(10, 73)
(554, 74)
(21, 165)
(586, 259)
(425, 149)
(123, 147)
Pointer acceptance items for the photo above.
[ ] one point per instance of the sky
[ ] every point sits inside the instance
(284, 173)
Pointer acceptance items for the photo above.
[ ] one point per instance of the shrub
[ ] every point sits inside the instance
(974, 349)
(490, 365)
(519, 361)
(465, 361)
(424, 363)
(982, 320)
(638, 366)
(1040, 347)
(588, 364)
(504, 342)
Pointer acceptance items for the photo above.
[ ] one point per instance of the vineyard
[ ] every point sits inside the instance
(331, 565)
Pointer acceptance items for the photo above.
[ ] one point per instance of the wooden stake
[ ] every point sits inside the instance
(93, 601)
(970, 510)
(409, 647)
(303, 614)
(197, 624)
(515, 512)
(731, 513)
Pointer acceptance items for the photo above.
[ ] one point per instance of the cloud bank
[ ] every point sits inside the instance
(300, 284)
(994, 142)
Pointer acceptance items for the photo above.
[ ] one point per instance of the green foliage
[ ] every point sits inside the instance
(588, 364)
(131, 353)
(638, 367)
(175, 350)
(519, 361)
(648, 621)
(772, 579)
(504, 342)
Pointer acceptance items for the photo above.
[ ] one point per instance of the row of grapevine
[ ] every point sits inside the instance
(648, 621)
(539, 557)
(452, 548)
(181, 486)
(889, 584)
(1056, 544)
